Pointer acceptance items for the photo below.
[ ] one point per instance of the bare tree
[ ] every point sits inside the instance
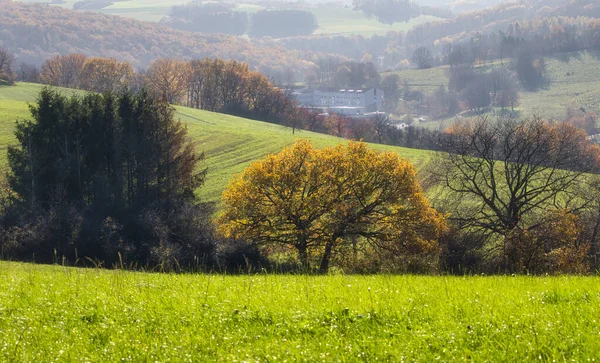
(7, 60)
(500, 177)
(167, 79)
(422, 58)
(505, 88)
(63, 70)
(476, 95)
(381, 125)
(28, 73)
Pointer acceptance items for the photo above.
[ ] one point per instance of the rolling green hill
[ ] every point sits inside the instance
(230, 143)
(573, 79)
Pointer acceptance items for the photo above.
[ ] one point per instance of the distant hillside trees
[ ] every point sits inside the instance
(7, 62)
(63, 70)
(282, 23)
(396, 11)
(110, 177)
(422, 58)
(477, 91)
(530, 68)
(222, 18)
(34, 33)
(167, 78)
(208, 18)
(230, 87)
(581, 118)
(208, 84)
(392, 92)
(92, 74)
(28, 73)
(106, 75)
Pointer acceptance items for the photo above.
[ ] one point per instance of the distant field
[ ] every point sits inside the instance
(89, 315)
(573, 79)
(230, 143)
(146, 10)
(346, 21)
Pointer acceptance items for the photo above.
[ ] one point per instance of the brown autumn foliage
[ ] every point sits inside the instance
(582, 119)
(106, 75)
(555, 248)
(167, 79)
(63, 70)
(208, 84)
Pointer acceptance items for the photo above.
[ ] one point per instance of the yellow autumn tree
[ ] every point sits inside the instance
(315, 202)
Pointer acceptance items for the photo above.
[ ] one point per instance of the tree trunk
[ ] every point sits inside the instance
(30, 152)
(303, 257)
(594, 243)
(324, 268)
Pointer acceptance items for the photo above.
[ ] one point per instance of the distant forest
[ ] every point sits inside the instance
(222, 18)
(34, 32)
(489, 34)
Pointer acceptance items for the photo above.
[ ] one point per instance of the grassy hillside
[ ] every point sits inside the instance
(146, 10)
(70, 314)
(229, 143)
(345, 21)
(573, 78)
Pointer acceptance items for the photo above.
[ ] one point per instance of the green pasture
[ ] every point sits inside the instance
(145, 10)
(230, 143)
(573, 79)
(65, 314)
(345, 21)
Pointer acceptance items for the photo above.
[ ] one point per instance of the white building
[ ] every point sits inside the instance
(344, 101)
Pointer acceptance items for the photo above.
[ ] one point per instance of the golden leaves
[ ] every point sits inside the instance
(311, 198)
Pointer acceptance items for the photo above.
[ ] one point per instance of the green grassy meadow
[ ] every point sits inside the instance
(345, 21)
(230, 143)
(145, 10)
(64, 314)
(573, 79)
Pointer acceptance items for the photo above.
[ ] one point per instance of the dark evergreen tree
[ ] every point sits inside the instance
(103, 175)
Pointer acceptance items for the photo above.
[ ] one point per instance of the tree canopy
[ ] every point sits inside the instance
(325, 203)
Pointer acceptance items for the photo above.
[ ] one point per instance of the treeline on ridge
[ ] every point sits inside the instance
(208, 84)
(222, 18)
